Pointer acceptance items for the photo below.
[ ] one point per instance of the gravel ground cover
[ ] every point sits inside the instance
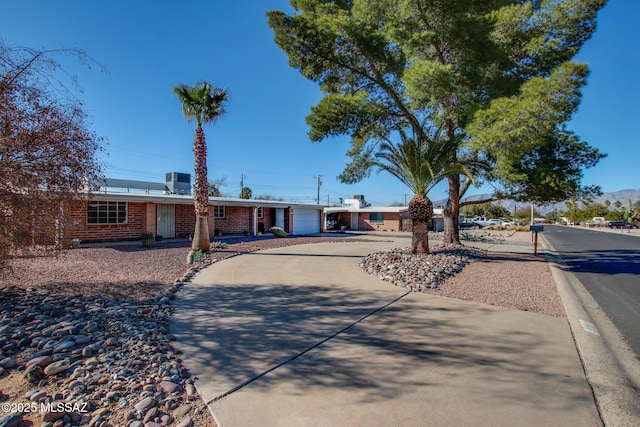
(100, 317)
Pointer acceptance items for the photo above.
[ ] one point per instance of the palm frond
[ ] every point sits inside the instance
(202, 102)
(421, 161)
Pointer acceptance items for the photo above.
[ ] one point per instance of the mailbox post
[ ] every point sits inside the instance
(535, 229)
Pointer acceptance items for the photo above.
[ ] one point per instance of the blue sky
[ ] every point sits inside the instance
(151, 46)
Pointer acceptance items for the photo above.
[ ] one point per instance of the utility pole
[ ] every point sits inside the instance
(405, 199)
(242, 177)
(319, 185)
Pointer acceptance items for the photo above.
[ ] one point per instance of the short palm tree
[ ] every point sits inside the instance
(203, 103)
(420, 163)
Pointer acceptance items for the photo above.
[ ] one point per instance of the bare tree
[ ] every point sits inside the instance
(48, 155)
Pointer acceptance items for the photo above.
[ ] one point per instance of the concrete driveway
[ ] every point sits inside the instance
(302, 336)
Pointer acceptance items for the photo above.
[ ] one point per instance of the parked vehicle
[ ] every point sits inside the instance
(621, 224)
(494, 222)
(508, 223)
(480, 220)
(468, 224)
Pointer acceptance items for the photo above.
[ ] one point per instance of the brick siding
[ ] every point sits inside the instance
(78, 228)
(392, 221)
(142, 217)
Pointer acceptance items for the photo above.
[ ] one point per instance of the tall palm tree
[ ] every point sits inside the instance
(420, 163)
(203, 103)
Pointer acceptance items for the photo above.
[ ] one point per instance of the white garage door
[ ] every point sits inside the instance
(306, 221)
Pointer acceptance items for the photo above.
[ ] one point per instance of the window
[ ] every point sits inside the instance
(260, 213)
(99, 212)
(218, 211)
(376, 217)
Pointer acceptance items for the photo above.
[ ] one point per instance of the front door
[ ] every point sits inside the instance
(166, 220)
(280, 217)
(354, 220)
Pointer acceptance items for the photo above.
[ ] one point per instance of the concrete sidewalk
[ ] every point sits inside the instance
(301, 335)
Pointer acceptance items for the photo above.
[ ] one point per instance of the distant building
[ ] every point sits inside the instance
(357, 214)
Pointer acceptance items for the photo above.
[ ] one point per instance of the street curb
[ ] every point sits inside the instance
(611, 367)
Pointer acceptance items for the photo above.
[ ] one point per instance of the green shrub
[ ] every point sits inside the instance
(278, 232)
(148, 240)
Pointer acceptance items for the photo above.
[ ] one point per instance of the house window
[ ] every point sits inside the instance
(218, 211)
(99, 212)
(260, 213)
(376, 217)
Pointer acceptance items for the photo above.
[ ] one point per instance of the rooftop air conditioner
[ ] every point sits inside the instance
(179, 183)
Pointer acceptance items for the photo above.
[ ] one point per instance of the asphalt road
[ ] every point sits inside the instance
(608, 266)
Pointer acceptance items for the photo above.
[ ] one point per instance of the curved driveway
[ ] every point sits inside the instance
(301, 335)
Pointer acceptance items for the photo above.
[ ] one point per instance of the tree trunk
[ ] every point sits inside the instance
(201, 193)
(451, 212)
(420, 237)
(420, 212)
(201, 234)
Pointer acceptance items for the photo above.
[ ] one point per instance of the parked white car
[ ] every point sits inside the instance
(508, 223)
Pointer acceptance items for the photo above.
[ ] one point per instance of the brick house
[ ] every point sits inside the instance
(125, 214)
(358, 215)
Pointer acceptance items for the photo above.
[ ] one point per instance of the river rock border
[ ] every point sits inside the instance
(419, 272)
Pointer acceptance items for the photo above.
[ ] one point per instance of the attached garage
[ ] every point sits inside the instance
(306, 221)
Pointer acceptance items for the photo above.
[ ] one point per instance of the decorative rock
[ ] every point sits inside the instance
(82, 339)
(100, 411)
(170, 387)
(57, 367)
(40, 361)
(111, 341)
(418, 272)
(151, 413)
(63, 345)
(145, 403)
(11, 420)
(51, 416)
(181, 411)
(191, 389)
(96, 352)
(8, 363)
(77, 386)
(185, 422)
(35, 397)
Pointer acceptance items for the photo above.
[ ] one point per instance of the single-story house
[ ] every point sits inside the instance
(119, 210)
(359, 215)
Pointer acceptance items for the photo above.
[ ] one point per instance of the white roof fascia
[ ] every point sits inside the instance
(391, 209)
(188, 199)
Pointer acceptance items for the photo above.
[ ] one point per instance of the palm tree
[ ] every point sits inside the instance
(203, 103)
(420, 163)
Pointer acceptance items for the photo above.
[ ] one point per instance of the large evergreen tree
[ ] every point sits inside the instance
(385, 65)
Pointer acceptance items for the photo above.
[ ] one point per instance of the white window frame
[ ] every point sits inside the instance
(260, 213)
(219, 212)
(102, 210)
